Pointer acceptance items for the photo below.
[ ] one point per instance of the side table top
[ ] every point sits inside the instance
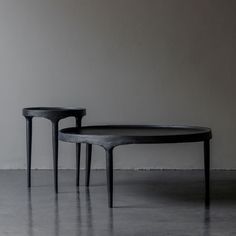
(53, 111)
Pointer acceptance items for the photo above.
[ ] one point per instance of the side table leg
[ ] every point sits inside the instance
(207, 172)
(88, 163)
(109, 169)
(55, 153)
(29, 148)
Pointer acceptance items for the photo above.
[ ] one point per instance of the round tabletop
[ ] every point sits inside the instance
(48, 112)
(114, 135)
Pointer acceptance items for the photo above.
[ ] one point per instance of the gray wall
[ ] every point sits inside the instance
(126, 61)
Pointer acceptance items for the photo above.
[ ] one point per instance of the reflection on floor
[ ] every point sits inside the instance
(146, 203)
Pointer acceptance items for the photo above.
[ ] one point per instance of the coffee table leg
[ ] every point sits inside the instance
(78, 147)
(78, 150)
(55, 153)
(207, 172)
(109, 167)
(88, 163)
(29, 148)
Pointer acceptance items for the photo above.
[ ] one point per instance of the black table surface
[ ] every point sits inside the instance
(125, 134)
(52, 108)
(53, 111)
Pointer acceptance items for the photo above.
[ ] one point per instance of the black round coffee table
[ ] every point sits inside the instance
(54, 114)
(110, 136)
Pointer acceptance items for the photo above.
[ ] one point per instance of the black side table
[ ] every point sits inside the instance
(54, 114)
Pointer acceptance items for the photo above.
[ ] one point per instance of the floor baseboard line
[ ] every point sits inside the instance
(133, 169)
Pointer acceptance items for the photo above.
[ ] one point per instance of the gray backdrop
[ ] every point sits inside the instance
(126, 61)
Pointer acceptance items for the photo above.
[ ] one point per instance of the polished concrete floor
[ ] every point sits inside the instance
(146, 203)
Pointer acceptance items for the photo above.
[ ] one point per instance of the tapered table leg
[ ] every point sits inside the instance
(88, 163)
(207, 172)
(55, 153)
(29, 148)
(78, 150)
(109, 169)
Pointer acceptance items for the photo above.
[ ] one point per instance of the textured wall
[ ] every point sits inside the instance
(126, 61)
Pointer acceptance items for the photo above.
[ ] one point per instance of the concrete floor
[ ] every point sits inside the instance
(146, 203)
